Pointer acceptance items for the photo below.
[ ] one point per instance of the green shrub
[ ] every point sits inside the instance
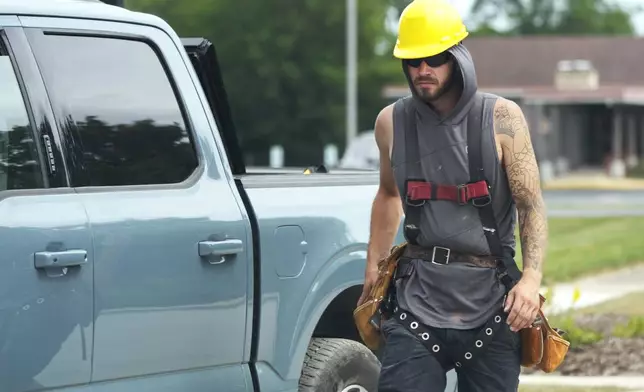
(576, 335)
(633, 328)
(636, 172)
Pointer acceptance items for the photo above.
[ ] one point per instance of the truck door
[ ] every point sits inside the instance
(172, 244)
(46, 258)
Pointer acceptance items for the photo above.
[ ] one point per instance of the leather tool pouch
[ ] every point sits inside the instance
(368, 316)
(542, 346)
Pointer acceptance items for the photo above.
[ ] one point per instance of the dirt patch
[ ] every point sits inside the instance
(610, 357)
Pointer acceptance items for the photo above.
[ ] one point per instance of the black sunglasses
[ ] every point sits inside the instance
(433, 61)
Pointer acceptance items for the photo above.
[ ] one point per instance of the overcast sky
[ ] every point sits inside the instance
(638, 20)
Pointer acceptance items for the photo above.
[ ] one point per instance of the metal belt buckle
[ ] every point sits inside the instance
(442, 255)
(411, 203)
(481, 201)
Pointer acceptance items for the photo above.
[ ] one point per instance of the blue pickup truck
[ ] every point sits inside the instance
(138, 253)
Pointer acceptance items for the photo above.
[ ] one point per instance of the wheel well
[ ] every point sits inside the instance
(337, 319)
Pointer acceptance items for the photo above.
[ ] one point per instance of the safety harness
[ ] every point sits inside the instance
(476, 193)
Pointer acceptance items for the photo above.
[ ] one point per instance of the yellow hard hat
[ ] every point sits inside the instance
(427, 28)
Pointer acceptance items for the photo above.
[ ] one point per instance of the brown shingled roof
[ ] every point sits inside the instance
(532, 60)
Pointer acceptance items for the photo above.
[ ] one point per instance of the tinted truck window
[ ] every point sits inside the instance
(19, 159)
(116, 100)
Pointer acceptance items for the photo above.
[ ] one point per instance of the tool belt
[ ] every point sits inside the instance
(367, 316)
(542, 346)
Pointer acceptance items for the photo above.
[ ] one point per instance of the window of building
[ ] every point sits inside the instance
(120, 106)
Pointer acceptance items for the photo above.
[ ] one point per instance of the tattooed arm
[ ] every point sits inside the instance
(513, 135)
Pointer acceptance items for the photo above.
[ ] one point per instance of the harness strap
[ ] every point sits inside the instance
(413, 211)
(426, 337)
(461, 356)
(461, 194)
(509, 271)
(419, 191)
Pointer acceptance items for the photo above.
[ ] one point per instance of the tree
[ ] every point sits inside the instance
(283, 65)
(526, 17)
(596, 17)
(531, 17)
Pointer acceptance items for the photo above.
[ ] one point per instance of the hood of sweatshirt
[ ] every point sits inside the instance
(463, 69)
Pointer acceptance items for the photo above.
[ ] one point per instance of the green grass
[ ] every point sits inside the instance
(631, 306)
(604, 207)
(583, 246)
(547, 388)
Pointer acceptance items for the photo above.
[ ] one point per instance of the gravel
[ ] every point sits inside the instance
(610, 357)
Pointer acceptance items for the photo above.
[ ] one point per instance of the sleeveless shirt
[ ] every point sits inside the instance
(456, 295)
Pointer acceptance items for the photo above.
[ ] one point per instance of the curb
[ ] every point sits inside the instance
(629, 382)
(625, 185)
(593, 188)
(593, 289)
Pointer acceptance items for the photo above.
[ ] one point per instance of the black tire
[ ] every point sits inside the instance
(331, 365)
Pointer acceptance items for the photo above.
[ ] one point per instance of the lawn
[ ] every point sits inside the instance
(582, 246)
(547, 388)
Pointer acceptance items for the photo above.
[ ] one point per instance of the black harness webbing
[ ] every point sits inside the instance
(413, 210)
(460, 356)
(510, 272)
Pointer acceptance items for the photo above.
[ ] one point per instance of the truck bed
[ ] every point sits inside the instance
(311, 233)
(295, 177)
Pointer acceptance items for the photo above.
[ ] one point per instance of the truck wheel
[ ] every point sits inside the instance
(339, 365)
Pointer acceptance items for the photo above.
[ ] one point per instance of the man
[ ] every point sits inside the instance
(459, 298)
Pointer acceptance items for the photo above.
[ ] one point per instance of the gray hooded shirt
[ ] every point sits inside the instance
(456, 295)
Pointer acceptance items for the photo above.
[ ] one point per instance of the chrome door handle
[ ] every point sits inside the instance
(220, 248)
(61, 259)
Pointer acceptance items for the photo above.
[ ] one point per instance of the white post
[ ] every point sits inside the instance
(352, 70)
(632, 159)
(330, 155)
(276, 156)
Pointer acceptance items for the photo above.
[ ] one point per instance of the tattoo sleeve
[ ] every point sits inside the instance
(522, 170)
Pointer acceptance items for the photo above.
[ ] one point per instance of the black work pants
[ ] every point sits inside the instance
(408, 366)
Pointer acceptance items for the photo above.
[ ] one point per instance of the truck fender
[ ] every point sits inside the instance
(343, 271)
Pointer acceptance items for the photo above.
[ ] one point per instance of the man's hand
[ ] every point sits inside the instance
(370, 278)
(523, 303)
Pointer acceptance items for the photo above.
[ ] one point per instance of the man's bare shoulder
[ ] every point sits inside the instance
(385, 119)
(508, 118)
(384, 127)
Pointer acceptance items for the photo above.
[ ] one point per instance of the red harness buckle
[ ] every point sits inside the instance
(477, 192)
(462, 194)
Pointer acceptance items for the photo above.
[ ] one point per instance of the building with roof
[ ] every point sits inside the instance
(583, 97)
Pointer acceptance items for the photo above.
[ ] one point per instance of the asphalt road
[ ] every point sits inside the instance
(594, 203)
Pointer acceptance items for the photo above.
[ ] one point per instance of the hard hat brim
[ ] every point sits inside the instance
(427, 50)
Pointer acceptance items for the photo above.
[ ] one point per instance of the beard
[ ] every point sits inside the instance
(435, 92)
